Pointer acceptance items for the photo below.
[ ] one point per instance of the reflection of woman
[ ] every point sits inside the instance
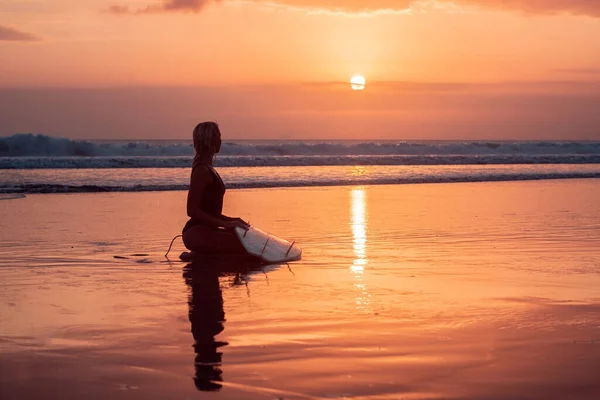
(207, 317)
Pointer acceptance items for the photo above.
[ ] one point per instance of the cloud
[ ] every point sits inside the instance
(580, 7)
(10, 34)
(356, 6)
(401, 86)
(116, 9)
(533, 7)
(343, 8)
(319, 6)
(578, 71)
(166, 6)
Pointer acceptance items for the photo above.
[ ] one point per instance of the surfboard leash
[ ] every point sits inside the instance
(171, 245)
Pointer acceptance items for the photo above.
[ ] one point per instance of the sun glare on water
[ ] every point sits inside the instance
(358, 82)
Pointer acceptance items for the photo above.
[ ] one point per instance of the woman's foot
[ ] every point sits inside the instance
(188, 255)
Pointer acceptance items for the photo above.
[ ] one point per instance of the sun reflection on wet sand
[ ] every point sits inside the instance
(358, 220)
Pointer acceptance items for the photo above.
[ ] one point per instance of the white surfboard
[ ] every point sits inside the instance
(268, 247)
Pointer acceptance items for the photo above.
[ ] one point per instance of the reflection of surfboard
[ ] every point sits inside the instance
(269, 248)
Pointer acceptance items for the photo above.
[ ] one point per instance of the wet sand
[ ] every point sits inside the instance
(433, 291)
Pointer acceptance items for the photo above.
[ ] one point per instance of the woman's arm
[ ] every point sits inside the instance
(234, 219)
(226, 218)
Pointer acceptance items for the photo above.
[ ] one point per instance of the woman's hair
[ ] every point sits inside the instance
(204, 138)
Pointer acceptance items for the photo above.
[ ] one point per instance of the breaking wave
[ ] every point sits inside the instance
(29, 151)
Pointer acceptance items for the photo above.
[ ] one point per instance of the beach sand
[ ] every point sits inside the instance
(433, 291)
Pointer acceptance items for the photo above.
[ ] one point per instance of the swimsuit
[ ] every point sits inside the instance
(212, 198)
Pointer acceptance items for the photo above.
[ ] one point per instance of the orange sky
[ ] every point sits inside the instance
(468, 69)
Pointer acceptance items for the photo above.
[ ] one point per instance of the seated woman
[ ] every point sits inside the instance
(208, 230)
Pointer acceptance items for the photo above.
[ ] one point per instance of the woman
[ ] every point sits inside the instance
(208, 230)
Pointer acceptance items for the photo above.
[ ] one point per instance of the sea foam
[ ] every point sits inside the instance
(29, 151)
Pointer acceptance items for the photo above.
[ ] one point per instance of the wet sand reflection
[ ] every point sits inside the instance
(358, 222)
(207, 315)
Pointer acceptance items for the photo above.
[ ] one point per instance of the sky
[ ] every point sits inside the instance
(280, 69)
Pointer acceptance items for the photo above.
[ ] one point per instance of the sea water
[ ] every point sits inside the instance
(45, 164)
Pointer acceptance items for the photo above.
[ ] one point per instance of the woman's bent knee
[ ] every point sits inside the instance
(196, 238)
(206, 240)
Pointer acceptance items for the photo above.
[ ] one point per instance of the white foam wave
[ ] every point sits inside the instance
(281, 161)
(28, 188)
(22, 145)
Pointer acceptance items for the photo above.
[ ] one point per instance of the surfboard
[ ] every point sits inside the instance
(268, 247)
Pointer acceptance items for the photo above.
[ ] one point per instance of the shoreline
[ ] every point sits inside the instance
(404, 291)
(66, 189)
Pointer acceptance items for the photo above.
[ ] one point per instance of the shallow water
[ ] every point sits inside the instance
(453, 291)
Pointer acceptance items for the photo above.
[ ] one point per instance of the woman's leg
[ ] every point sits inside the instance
(203, 239)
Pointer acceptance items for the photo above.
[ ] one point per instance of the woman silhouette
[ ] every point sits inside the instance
(208, 230)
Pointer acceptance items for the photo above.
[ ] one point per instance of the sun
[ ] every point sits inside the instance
(358, 82)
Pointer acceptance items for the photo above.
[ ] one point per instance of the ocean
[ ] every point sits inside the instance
(46, 164)
(474, 290)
